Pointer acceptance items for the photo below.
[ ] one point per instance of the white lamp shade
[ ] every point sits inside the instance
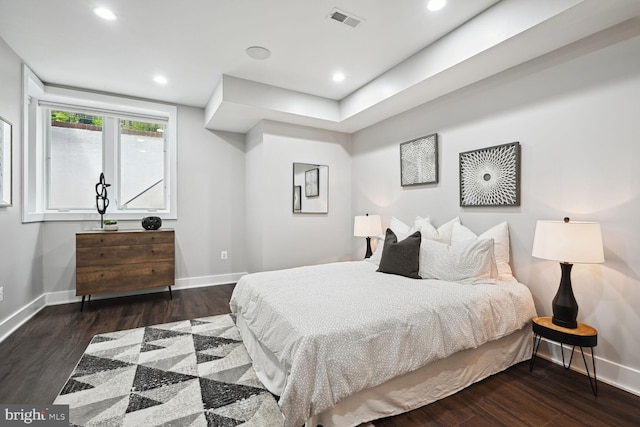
(573, 242)
(367, 225)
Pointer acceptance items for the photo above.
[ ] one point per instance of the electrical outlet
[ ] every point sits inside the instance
(1, 293)
(224, 255)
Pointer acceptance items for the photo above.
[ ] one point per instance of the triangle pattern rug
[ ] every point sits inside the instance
(188, 373)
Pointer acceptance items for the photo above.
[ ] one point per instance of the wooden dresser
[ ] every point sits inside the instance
(111, 261)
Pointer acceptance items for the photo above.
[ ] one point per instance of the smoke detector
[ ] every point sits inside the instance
(345, 18)
(258, 52)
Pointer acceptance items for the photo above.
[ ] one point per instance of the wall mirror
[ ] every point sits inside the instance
(310, 188)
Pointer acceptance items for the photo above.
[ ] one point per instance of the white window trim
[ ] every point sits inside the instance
(34, 157)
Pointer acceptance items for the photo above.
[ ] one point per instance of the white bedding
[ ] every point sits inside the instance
(341, 328)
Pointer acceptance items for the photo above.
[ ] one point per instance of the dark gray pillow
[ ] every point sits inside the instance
(401, 257)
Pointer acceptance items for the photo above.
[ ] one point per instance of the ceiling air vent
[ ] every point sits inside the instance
(345, 18)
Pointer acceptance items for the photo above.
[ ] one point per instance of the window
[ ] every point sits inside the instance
(76, 145)
(75, 159)
(142, 147)
(72, 136)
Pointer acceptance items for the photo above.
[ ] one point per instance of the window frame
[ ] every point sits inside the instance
(38, 97)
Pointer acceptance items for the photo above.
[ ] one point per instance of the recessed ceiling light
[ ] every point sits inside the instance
(258, 52)
(434, 5)
(105, 13)
(338, 77)
(161, 80)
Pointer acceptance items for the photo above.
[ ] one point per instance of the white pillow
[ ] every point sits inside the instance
(500, 236)
(398, 226)
(469, 262)
(400, 229)
(441, 234)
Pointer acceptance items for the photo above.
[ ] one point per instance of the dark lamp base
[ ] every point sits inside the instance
(565, 306)
(564, 323)
(369, 252)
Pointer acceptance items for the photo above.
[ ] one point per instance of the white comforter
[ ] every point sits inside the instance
(340, 328)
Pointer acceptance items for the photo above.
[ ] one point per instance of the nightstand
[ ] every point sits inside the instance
(583, 336)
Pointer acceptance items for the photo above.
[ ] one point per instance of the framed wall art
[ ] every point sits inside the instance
(5, 162)
(297, 198)
(311, 181)
(419, 161)
(490, 176)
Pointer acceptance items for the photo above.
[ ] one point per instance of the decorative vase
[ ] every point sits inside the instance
(151, 222)
(111, 227)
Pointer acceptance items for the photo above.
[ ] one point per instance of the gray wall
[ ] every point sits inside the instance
(276, 237)
(576, 115)
(256, 198)
(20, 244)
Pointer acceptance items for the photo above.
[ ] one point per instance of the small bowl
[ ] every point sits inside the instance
(151, 222)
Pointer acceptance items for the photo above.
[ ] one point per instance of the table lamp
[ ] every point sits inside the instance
(569, 242)
(367, 226)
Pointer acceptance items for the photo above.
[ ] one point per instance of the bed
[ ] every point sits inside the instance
(342, 344)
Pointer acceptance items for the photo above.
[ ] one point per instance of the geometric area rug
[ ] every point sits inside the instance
(187, 373)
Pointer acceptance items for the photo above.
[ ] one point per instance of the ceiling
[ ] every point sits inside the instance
(400, 55)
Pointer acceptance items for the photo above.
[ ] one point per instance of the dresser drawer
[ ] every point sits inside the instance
(120, 238)
(123, 255)
(103, 279)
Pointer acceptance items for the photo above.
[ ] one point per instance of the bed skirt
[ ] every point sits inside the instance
(432, 382)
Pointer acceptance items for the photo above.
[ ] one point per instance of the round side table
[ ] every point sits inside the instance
(582, 336)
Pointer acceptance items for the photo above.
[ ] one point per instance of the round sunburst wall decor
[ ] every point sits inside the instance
(491, 176)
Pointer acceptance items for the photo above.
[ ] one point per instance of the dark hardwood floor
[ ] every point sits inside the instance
(37, 359)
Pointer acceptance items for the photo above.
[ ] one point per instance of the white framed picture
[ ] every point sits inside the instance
(311, 183)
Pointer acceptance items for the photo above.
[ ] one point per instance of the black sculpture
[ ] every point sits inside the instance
(102, 202)
(151, 222)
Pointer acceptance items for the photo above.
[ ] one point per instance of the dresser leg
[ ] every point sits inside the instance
(170, 294)
(82, 303)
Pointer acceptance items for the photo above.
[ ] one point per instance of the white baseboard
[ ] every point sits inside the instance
(13, 322)
(18, 318)
(619, 376)
(199, 282)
